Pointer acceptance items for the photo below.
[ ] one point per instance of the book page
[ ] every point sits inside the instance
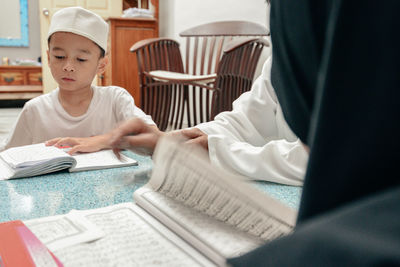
(186, 176)
(214, 238)
(132, 238)
(6, 172)
(30, 155)
(58, 232)
(100, 160)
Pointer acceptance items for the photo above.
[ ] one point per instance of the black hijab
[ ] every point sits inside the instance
(336, 71)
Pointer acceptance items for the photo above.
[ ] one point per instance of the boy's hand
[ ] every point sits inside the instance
(81, 144)
(134, 135)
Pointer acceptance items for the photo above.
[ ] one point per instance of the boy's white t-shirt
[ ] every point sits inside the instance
(44, 118)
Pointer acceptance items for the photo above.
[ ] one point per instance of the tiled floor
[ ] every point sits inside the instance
(8, 116)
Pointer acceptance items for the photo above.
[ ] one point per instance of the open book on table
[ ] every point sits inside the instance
(37, 159)
(189, 214)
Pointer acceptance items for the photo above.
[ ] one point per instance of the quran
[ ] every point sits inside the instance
(188, 214)
(38, 159)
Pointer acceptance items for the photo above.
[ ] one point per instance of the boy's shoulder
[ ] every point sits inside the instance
(111, 90)
(40, 101)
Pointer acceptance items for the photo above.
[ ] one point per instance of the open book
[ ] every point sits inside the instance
(37, 159)
(189, 214)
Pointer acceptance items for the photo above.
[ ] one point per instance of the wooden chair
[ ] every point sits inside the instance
(205, 43)
(236, 72)
(164, 101)
(190, 88)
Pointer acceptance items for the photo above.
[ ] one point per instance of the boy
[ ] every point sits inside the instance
(77, 41)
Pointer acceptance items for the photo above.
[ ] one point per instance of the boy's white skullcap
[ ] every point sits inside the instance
(82, 22)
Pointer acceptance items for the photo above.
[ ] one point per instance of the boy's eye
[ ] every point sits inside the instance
(59, 57)
(81, 60)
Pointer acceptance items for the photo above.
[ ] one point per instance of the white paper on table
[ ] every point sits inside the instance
(58, 232)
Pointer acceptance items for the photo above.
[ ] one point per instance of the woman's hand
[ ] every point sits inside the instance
(135, 135)
(192, 136)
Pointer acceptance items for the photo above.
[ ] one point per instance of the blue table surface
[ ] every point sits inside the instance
(58, 193)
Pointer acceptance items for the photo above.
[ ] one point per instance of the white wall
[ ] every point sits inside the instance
(10, 13)
(175, 16)
(178, 15)
(33, 51)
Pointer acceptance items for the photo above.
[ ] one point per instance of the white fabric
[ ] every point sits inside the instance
(166, 76)
(82, 22)
(44, 118)
(254, 139)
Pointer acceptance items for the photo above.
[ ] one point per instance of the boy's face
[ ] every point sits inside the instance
(74, 61)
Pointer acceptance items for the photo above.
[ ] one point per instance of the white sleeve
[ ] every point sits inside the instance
(20, 135)
(254, 140)
(126, 108)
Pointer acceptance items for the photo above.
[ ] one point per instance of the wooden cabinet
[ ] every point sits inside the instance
(122, 67)
(20, 75)
(20, 82)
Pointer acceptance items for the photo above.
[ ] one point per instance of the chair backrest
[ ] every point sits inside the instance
(163, 101)
(205, 43)
(235, 72)
(171, 103)
(204, 48)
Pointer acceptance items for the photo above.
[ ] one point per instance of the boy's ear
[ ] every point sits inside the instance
(102, 65)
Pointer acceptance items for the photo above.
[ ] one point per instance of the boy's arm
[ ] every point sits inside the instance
(134, 134)
(82, 144)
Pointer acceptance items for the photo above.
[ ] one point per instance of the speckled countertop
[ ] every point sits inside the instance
(58, 193)
(289, 195)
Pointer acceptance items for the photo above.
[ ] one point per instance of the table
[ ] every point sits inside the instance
(58, 193)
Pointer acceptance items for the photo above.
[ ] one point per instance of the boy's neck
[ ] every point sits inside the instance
(76, 103)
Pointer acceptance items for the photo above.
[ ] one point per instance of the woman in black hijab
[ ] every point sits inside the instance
(336, 71)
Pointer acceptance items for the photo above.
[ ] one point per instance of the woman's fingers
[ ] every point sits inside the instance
(200, 141)
(131, 127)
(192, 133)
